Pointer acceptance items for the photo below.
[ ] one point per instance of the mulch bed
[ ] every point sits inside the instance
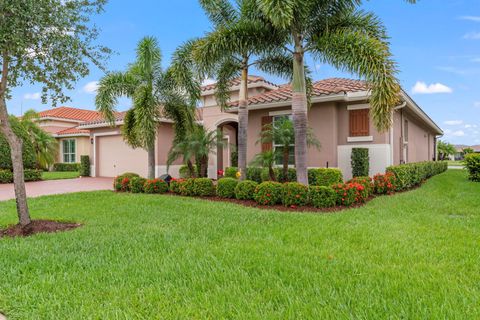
(37, 226)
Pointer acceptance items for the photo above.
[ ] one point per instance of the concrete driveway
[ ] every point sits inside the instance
(44, 188)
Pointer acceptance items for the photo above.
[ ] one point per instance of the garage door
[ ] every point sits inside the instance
(115, 157)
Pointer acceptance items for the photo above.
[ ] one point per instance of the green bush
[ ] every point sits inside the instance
(245, 190)
(185, 173)
(384, 183)
(349, 194)
(122, 182)
(254, 174)
(136, 184)
(231, 172)
(294, 194)
(265, 174)
(291, 175)
(84, 166)
(322, 197)
(226, 187)
(64, 167)
(412, 174)
(203, 187)
(28, 153)
(155, 186)
(268, 193)
(175, 185)
(360, 162)
(472, 164)
(6, 176)
(187, 187)
(324, 176)
(366, 182)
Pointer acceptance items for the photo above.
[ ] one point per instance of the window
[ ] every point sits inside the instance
(359, 123)
(69, 151)
(278, 148)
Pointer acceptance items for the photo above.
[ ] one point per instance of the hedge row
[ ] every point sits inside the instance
(316, 176)
(472, 164)
(6, 176)
(64, 167)
(412, 174)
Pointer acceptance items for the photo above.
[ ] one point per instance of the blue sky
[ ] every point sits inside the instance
(435, 42)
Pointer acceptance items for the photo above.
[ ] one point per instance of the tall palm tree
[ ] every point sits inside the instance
(334, 32)
(240, 39)
(154, 93)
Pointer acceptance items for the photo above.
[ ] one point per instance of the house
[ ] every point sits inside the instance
(338, 116)
(459, 155)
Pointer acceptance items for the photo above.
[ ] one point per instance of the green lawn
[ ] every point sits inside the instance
(60, 175)
(414, 255)
(455, 163)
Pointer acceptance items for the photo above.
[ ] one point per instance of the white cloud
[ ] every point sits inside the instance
(422, 88)
(453, 122)
(472, 36)
(208, 81)
(32, 96)
(467, 126)
(91, 87)
(458, 133)
(471, 18)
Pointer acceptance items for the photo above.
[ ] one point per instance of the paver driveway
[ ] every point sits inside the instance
(43, 188)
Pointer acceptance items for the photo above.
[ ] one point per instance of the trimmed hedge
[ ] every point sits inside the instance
(349, 194)
(6, 176)
(136, 184)
(155, 186)
(28, 152)
(84, 166)
(412, 174)
(203, 187)
(231, 172)
(245, 190)
(186, 187)
(360, 162)
(322, 197)
(324, 176)
(472, 164)
(226, 187)
(175, 185)
(384, 183)
(185, 173)
(268, 193)
(366, 182)
(254, 174)
(122, 182)
(64, 167)
(294, 194)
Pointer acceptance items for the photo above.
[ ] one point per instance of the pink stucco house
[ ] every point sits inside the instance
(338, 116)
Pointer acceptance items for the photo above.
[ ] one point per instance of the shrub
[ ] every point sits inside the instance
(384, 183)
(186, 187)
(32, 175)
(155, 186)
(226, 187)
(294, 194)
(245, 190)
(64, 167)
(360, 162)
(268, 193)
(366, 182)
(324, 176)
(265, 174)
(472, 164)
(28, 152)
(412, 174)
(349, 194)
(84, 166)
(175, 185)
(231, 172)
(203, 187)
(291, 175)
(136, 184)
(122, 182)
(6, 176)
(254, 174)
(184, 172)
(322, 197)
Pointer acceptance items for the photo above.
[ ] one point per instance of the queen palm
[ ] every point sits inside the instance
(334, 32)
(240, 40)
(154, 93)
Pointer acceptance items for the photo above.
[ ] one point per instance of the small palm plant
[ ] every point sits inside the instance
(266, 159)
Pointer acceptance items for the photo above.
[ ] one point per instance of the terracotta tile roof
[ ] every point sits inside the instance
(119, 116)
(320, 88)
(236, 82)
(70, 114)
(72, 131)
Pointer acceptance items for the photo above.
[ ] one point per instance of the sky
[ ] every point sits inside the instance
(435, 42)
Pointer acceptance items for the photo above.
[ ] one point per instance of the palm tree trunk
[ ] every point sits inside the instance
(299, 110)
(243, 121)
(151, 162)
(16, 146)
(286, 155)
(271, 173)
(204, 167)
(191, 169)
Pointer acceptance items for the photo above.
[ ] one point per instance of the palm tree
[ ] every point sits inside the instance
(154, 93)
(240, 40)
(265, 159)
(334, 32)
(282, 133)
(198, 144)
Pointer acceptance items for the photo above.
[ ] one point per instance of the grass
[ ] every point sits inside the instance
(414, 255)
(458, 163)
(60, 175)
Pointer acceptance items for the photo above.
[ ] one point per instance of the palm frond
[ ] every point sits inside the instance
(220, 12)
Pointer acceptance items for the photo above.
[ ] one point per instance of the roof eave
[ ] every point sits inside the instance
(422, 114)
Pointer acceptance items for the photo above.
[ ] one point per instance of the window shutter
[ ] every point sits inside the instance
(266, 120)
(359, 123)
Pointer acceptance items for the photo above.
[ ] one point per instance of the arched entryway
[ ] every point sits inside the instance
(226, 154)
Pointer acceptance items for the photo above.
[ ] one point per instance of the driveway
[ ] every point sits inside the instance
(44, 188)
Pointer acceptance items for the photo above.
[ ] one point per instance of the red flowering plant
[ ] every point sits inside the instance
(122, 183)
(295, 194)
(384, 183)
(175, 185)
(268, 193)
(366, 181)
(155, 186)
(349, 194)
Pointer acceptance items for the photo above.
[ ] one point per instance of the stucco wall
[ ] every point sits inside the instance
(82, 147)
(420, 140)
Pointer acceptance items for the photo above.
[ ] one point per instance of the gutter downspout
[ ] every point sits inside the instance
(392, 159)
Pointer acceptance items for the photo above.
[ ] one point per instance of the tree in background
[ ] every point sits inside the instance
(467, 150)
(50, 43)
(445, 150)
(334, 32)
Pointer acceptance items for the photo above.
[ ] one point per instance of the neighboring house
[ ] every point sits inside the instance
(338, 116)
(459, 154)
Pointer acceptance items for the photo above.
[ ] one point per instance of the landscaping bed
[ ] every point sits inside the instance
(37, 226)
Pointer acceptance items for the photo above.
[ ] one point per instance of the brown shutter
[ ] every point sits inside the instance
(359, 123)
(266, 120)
